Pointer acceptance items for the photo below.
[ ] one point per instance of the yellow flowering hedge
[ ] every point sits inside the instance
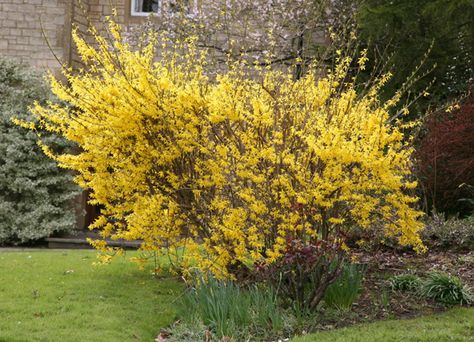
(219, 171)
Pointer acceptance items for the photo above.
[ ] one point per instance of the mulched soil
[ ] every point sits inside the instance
(378, 301)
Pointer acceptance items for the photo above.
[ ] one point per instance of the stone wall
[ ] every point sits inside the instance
(34, 31)
(79, 21)
(28, 26)
(38, 31)
(100, 8)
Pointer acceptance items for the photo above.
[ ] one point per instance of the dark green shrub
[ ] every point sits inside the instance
(342, 293)
(446, 289)
(406, 29)
(406, 282)
(35, 196)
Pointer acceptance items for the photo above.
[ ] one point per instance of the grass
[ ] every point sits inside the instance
(454, 325)
(343, 292)
(231, 309)
(59, 296)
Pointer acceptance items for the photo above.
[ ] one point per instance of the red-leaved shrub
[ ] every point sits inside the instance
(446, 161)
(305, 270)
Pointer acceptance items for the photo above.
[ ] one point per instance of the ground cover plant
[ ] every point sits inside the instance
(446, 289)
(59, 295)
(439, 286)
(406, 282)
(452, 233)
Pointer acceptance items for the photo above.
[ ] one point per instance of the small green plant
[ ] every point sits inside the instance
(453, 232)
(265, 312)
(406, 282)
(230, 310)
(385, 299)
(342, 293)
(188, 331)
(446, 289)
(222, 306)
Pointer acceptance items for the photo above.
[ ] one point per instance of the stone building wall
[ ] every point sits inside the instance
(35, 31)
(39, 31)
(27, 25)
(101, 8)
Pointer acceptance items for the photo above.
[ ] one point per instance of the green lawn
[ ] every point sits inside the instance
(60, 296)
(454, 325)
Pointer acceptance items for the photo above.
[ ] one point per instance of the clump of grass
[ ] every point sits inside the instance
(342, 293)
(446, 289)
(228, 309)
(265, 310)
(406, 282)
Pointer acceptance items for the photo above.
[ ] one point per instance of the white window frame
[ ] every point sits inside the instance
(133, 13)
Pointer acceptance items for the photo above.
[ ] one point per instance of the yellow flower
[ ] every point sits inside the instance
(212, 171)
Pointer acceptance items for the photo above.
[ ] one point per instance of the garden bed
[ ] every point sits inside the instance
(454, 325)
(379, 302)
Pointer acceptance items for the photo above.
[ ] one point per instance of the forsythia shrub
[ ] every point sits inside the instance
(218, 173)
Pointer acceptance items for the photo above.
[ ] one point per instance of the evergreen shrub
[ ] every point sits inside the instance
(36, 197)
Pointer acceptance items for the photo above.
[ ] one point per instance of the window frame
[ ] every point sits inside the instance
(134, 13)
(193, 6)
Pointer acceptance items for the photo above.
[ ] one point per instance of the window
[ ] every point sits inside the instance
(146, 7)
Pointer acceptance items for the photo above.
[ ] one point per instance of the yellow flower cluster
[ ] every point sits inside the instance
(218, 172)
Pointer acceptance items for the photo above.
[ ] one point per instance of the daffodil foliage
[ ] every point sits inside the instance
(220, 171)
